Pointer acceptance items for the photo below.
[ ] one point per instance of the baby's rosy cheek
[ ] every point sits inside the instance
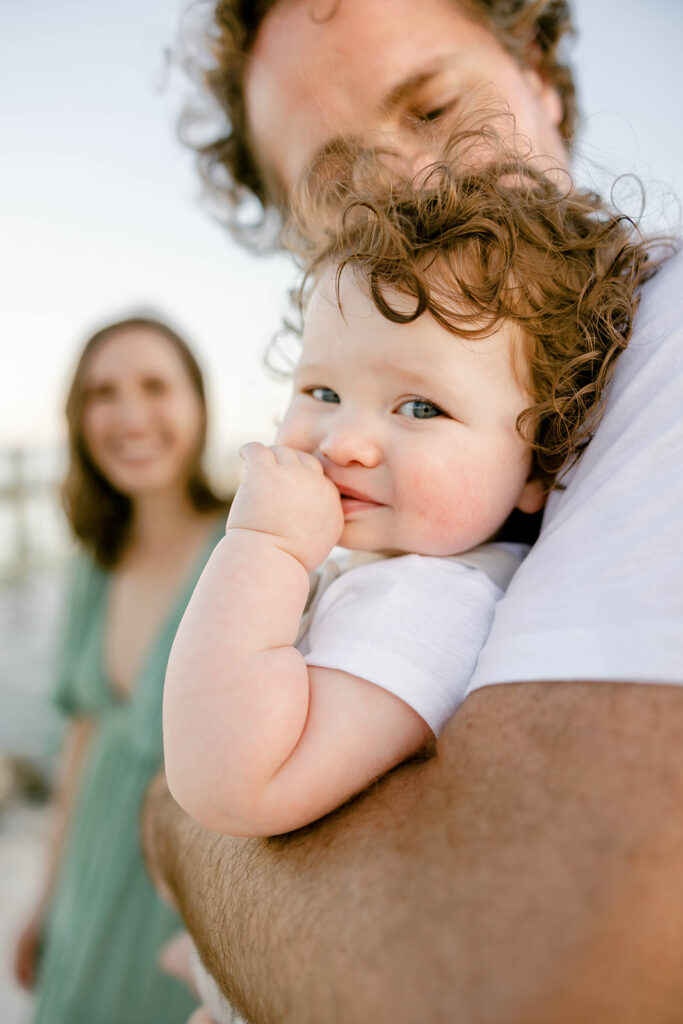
(444, 502)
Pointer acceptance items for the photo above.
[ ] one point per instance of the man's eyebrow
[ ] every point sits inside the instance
(338, 146)
(410, 85)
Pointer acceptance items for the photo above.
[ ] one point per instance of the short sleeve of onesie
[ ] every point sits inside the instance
(600, 596)
(413, 625)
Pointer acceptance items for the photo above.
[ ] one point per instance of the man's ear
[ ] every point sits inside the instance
(532, 498)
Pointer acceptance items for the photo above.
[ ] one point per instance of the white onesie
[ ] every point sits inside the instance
(412, 624)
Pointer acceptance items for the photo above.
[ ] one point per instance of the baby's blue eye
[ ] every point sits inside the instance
(324, 395)
(418, 409)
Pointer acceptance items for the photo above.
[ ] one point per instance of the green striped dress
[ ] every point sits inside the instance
(106, 924)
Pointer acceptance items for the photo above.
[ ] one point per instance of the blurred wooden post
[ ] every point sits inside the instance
(29, 502)
(17, 493)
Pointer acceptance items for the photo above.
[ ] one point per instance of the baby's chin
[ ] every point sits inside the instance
(434, 545)
(426, 550)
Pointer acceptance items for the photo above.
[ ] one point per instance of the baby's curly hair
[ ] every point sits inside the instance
(476, 242)
(532, 31)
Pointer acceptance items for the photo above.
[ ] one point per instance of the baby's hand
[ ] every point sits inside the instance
(286, 495)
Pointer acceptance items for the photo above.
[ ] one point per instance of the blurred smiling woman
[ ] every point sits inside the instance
(147, 519)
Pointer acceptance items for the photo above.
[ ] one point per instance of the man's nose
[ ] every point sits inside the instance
(351, 440)
(420, 153)
(406, 153)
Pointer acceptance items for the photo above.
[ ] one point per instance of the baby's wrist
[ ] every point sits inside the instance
(263, 540)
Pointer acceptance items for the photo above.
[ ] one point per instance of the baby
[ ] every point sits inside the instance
(459, 333)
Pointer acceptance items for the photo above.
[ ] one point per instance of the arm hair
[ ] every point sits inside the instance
(531, 872)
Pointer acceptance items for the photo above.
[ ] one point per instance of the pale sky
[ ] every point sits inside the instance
(100, 211)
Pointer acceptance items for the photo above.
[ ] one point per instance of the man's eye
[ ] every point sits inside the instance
(324, 395)
(433, 115)
(429, 114)
(419, 409)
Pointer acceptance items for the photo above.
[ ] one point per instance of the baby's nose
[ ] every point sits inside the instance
(351, 442)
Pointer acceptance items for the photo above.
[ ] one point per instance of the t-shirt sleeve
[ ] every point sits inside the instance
(600, 596)
(413, 625)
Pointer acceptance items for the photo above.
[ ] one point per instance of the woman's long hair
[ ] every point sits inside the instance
(100, 516)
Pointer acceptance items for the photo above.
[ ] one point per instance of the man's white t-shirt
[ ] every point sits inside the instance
(600, 596)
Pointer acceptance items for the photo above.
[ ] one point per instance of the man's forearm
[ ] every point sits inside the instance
(531, 872)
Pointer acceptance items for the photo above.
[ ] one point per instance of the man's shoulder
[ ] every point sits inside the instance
(652, 364)
(599, 597)
(661, 299)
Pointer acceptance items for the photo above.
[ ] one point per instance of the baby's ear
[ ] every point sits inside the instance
(532, 498)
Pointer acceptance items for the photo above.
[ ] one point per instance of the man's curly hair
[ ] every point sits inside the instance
(477, 242)
(532, 31)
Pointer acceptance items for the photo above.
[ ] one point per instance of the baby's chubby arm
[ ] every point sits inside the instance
(255, 741)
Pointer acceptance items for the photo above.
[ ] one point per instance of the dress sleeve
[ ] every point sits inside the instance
(413, 625)
(76, 689)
